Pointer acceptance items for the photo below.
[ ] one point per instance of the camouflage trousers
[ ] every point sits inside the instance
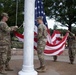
(5, 55)
(40, 49)
(72, 52)
(8, 56)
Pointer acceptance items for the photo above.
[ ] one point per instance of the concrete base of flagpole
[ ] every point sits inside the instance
(27, 71)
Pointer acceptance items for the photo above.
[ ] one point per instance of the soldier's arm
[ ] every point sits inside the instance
(45, 31)
(40, 31)
(6, 28)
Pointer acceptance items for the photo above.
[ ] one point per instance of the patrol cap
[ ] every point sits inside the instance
(39, 18)
(4, 14)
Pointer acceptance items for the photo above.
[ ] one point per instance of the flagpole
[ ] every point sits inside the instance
(28, 53)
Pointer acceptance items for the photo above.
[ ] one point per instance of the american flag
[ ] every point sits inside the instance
(39, 11)
(54, 46)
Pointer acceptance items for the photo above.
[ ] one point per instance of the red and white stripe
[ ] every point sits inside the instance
(54, 45)
(57, 48)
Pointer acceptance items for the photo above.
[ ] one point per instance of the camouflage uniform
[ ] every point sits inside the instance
(42, 35)
(5, 44)
(72, 47)
(55, 58)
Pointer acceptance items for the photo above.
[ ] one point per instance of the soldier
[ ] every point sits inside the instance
(72, 46)
(42, 38)
(5, 43)
(55, 58)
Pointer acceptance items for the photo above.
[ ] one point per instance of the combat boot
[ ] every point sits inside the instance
(55, 58)
(38, 68)
(7, 68)
(42, 69)
(2, 71)
(71, 60)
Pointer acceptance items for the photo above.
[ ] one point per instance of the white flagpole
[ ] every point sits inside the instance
(28, 67)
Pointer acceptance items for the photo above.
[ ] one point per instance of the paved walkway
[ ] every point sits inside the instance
(61, 67)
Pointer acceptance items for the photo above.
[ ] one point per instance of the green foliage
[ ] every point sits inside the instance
(9, 6)
(74, 30)
(55, 27)
(21, 30)
(51, 31)
(63, 11)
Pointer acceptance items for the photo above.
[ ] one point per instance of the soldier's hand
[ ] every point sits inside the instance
(15, 28)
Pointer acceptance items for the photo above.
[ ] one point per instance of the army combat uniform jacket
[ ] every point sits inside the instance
(42, 38)
(5, 42)
(72, 46)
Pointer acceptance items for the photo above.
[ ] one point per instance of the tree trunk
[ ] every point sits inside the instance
(69, 27)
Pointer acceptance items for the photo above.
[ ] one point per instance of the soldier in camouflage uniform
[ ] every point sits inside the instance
(42, 38)
(72, 46)
(5, 43)
(55, 58)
